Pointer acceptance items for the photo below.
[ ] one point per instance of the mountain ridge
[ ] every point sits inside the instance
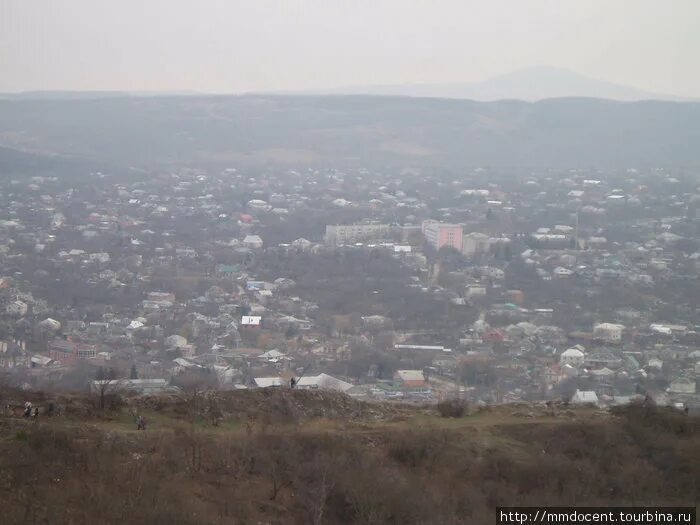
(356, 129)
(529, 84)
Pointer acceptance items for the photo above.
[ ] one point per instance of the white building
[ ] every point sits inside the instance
(584, 397)
(50, 325)
(475, 243)
(682, 385)
(320, 382)
(573, 357)
(608, 332)
(323, 381)
(251, 320)
(259, 204)
(562, 273)
(339, 235)
(16, 308)
(253, 241)
(655, 363)
(301, 244)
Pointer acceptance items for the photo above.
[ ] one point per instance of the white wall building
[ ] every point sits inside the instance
(608, 332)
(253, 241)
(573, 357)
(16, 308)
(682, 385)
(475, 243)
(339, 235)
(584, 397)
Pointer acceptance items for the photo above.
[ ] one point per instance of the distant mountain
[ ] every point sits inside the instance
(531, 84)
(149, 132)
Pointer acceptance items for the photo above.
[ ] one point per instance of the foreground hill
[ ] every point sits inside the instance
(293, 457)
(358, 130)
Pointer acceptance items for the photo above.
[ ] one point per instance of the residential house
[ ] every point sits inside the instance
(682, 385)
(608, 332)
(573, 356)
(601, 359)
(16, 309)
(253, 241)
(251, 321)
(411, 379)
(584, 397)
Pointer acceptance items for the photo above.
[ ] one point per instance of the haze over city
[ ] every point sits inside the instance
(274, 45)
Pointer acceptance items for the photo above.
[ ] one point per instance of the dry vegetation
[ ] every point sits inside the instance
(281, 456)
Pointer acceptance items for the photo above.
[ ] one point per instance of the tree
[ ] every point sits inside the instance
(105, 382)
(508, 253)
(290, 332)
(133, 374)
(194, 386)
(477, 372)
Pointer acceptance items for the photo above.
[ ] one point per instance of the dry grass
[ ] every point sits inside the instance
(315, 465)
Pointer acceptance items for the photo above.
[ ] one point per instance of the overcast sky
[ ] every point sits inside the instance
(250, 45)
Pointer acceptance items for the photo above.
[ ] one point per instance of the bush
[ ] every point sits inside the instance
(452, 408)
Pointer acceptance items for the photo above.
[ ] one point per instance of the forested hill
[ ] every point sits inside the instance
(361, 130)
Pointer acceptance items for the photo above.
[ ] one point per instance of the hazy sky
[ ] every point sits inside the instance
(248, 45)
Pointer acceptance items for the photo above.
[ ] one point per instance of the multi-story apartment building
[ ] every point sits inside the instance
(338, 235)
(69, 352)
(440, 234)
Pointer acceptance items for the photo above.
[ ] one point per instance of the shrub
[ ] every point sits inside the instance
(452, 408)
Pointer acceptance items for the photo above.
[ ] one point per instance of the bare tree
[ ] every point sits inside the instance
(105, 383)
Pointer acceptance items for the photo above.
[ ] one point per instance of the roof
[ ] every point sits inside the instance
(585, 396)
(410, 375)
(271, 354)
(572, 352)
(264, 382)
(684, 380)
(41, 360)
(70, 347)
(185, 363)
(324, 381)
(609, 326)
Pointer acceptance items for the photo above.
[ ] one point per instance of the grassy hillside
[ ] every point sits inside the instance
(314, 457)
(237, 130)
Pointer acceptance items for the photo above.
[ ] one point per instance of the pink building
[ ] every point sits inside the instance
(440, 234)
